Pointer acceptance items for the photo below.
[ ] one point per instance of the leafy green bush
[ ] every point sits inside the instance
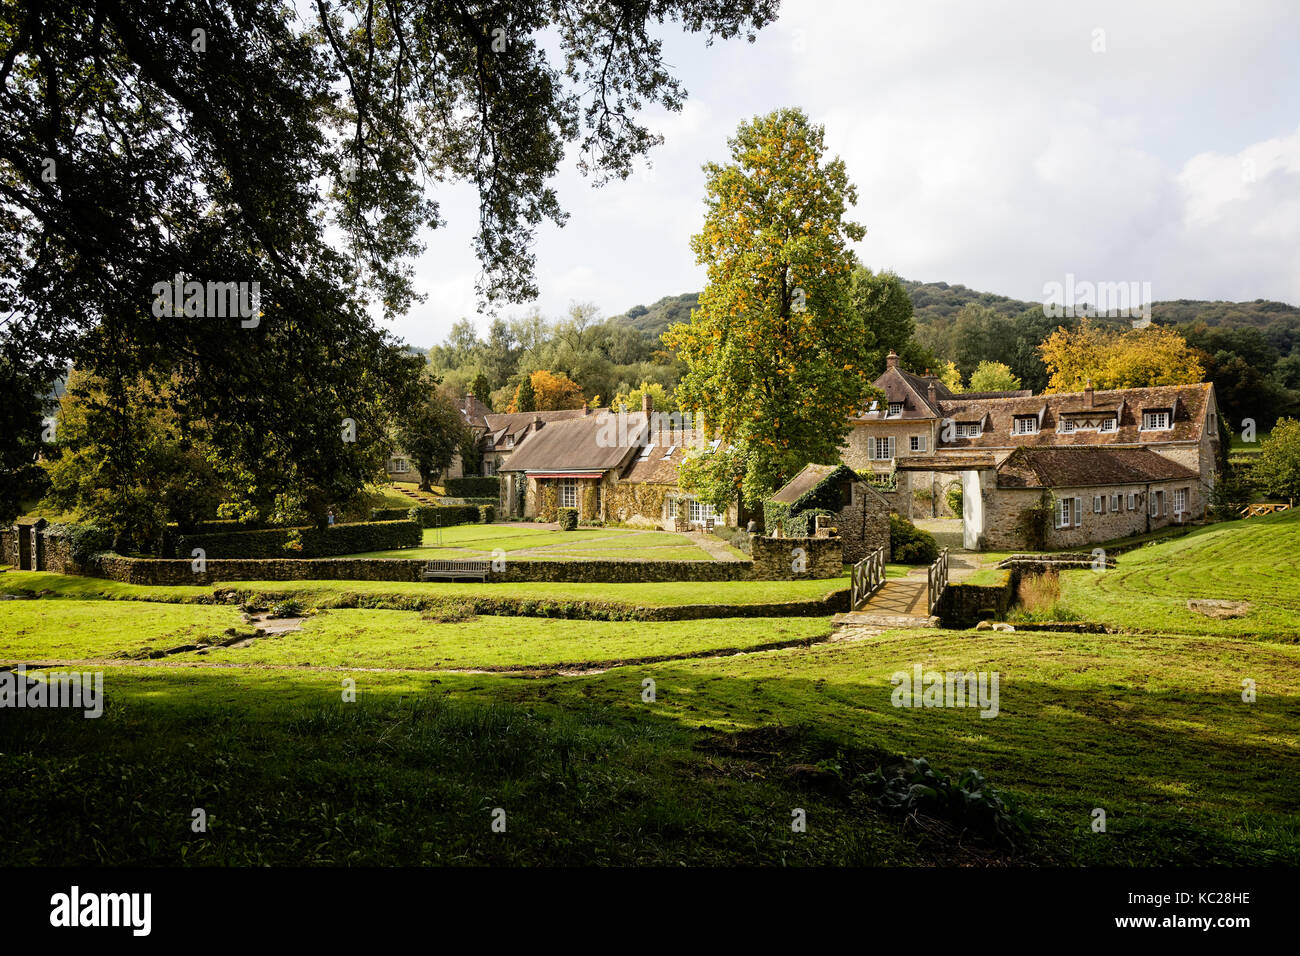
(487, 513)
(969, 802)
(473, 487)
(954, 500)
(287, 608)
(911, 545)
(1232, 491)
(568, 518)
(804, 524)
(84, 540)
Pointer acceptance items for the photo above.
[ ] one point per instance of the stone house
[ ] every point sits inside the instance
(1157, 446)
(1082, 495)
(861, 513)
(613, 466)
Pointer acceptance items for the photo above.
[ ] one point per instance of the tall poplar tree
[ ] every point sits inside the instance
(777, 356)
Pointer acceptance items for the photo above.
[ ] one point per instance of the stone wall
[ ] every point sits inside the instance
(863, 525)
(781, 559)
(1004, 507)
(965, 605)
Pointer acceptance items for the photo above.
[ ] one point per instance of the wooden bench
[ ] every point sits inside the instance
(455, 570)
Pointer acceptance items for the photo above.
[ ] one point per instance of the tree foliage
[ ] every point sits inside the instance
(993, 377)
(777, 358)
(1135, 358)
(432, 432)
(295, 146)
(1277, 467)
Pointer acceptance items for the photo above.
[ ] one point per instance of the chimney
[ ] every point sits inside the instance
(1087, 393)
(645, 405)
(934, 393)
(537, 423)
(586, 410)
(891, 360)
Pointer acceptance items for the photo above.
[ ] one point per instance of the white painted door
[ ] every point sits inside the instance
(972, 510)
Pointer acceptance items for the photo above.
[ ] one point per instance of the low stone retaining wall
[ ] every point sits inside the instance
(1064, 561)
(777, 564)
(965, 605)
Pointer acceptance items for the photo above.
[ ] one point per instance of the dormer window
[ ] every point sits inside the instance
(1025, 425)
(1067, 426)
(1156, 420)
(895, 409)
(1109, 424)
(968, 431)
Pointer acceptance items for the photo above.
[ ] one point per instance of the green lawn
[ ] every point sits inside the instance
(1256, 560)
(363, 638)
(1152, 729)
(58, 630)
(547, 544)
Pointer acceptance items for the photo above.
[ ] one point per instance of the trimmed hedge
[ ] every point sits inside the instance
(444, 516)
(473, 487)
(568, 519)
(390, 514)
(305, 542)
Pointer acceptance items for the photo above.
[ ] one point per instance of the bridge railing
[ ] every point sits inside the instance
(937, 579)
(868, 575)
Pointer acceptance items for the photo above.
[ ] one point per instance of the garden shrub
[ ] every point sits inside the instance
(909, 544)
(444, 516)
(487, 513)
(568, 518)
(968, 802)
(84, 540)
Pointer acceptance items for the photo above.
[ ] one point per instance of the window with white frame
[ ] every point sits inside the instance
(489, 467)
(1155, 421)
(1096, 504)
(1132, 501)
(698, 511)
(1115, 503)
(1025, 425)
(1109, 425)
(1180, 500)
(1067, 425)
(916, 443)
(1063, 513)
(568, 492)
(1153, 504)
(895, 409)
(399, 465)
(882, 449)
(968, 431)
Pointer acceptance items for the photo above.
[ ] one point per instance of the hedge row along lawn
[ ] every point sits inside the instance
(1150, 728)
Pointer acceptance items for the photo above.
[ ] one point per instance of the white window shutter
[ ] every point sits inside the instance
(1078, 511)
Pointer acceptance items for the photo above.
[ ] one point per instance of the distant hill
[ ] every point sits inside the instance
(654, 320)
(939, 302)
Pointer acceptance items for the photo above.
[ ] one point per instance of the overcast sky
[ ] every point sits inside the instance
(999, 145)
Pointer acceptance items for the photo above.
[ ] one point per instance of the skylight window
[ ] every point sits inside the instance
(646, 451)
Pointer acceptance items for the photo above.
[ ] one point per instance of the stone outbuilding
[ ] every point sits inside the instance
(859, 513)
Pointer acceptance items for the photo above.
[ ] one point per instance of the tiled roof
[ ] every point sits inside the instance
(595, 442)
(911, 390)
(659, 467)
(1188, 402)
(1086, 467)
(802, 482)
(518, 424)
(474, 411)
